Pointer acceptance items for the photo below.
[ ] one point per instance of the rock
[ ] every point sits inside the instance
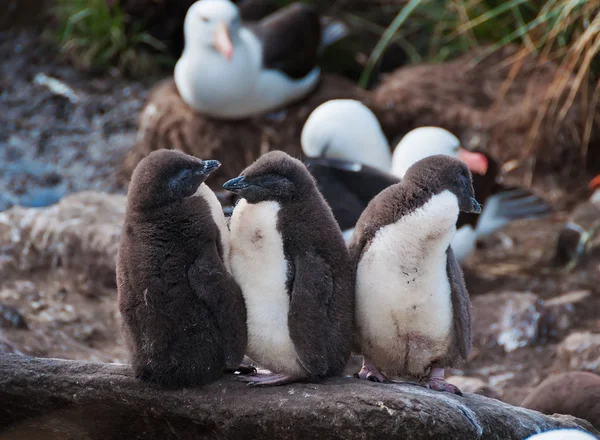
(508, 319)
(52, 398)
(575, 393)
(560, 313)
(580, 351)
(518, 319)
(473, 385)
(81, 231)
(11, 318)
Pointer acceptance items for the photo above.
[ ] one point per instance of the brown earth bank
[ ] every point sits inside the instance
(57, 289)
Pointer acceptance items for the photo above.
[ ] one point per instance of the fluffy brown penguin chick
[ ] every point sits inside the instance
(412, 308)
(289, 257)
(184, 318)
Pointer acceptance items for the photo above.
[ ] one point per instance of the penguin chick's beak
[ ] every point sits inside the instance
(476, 162)
(236, 185)
(208, 166)
(470, 205)
(223, 42)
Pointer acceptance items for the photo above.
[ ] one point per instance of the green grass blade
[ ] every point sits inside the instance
(385, 40)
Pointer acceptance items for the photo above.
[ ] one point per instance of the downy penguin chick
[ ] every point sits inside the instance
(412, 308)
(184, 317)
(289, 258)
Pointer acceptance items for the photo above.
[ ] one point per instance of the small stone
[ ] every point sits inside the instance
(12, 318)
(580, 351)
(560, 313)
(473, 385)
(507, 319)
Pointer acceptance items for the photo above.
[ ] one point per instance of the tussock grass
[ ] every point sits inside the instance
(96, 36)
(564, 31)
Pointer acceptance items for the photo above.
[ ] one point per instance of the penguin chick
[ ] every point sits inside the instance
(184, 318)
(412, 307)
(289, 257)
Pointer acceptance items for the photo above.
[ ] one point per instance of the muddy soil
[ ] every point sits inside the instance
(53, 144)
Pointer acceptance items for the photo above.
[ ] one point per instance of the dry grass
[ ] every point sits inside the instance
(564, 31)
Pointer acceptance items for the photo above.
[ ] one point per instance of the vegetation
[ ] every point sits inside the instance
(565, 31)
(95, 35)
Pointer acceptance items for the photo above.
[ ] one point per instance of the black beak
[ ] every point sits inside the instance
(236, 185)
(475, 206)
(208, 166)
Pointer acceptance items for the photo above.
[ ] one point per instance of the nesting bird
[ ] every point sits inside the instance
(232, 71)
(412, 308)
(184, 317)
(350, 157)
(577, 234)
(289, 258)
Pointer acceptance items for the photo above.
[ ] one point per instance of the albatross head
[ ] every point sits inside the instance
(213, 24)
(423, 142)
(346, 129)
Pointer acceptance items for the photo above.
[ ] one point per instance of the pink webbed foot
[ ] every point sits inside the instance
(435, 381)
(370, 372)
(267, 379)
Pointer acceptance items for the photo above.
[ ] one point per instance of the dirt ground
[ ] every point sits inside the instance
(51, 145)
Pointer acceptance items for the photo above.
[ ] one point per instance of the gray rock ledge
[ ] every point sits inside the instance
(61, 399)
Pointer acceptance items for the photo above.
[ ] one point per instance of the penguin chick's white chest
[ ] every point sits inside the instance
(404, 308)
(259, 266)
(216, 211)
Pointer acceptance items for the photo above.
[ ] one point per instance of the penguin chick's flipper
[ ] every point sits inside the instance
(228, 308)
(461, 305)
(435, 381)
(369, 371)
(310, 297)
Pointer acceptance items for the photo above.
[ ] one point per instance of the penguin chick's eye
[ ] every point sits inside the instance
(204, 19)
(179, 178)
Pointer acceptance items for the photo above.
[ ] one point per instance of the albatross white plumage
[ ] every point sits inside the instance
(231, 71)
(348, 133)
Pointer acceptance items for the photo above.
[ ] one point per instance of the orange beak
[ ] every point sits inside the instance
(223, 41)
(476, 162)
(594, 183)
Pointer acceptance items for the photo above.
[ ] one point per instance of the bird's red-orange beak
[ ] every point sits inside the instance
(223, 40)
(594, 183)
(476, 162)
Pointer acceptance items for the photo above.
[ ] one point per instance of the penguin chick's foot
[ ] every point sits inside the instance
(268, 379)
(435, 381)
(242, 369)
(370, 372)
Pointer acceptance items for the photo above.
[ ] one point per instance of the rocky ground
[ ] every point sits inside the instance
(56, 267)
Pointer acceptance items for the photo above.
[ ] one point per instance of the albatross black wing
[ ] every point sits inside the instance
(348, 186)
(291, 38)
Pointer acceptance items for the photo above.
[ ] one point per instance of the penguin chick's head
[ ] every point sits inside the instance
(439, 173)
(274, 176)
(212, 24)
(167, 176)
(427, 141)
(346, 129)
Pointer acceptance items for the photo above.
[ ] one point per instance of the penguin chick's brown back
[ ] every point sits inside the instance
(315, 281)
(184, 318)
